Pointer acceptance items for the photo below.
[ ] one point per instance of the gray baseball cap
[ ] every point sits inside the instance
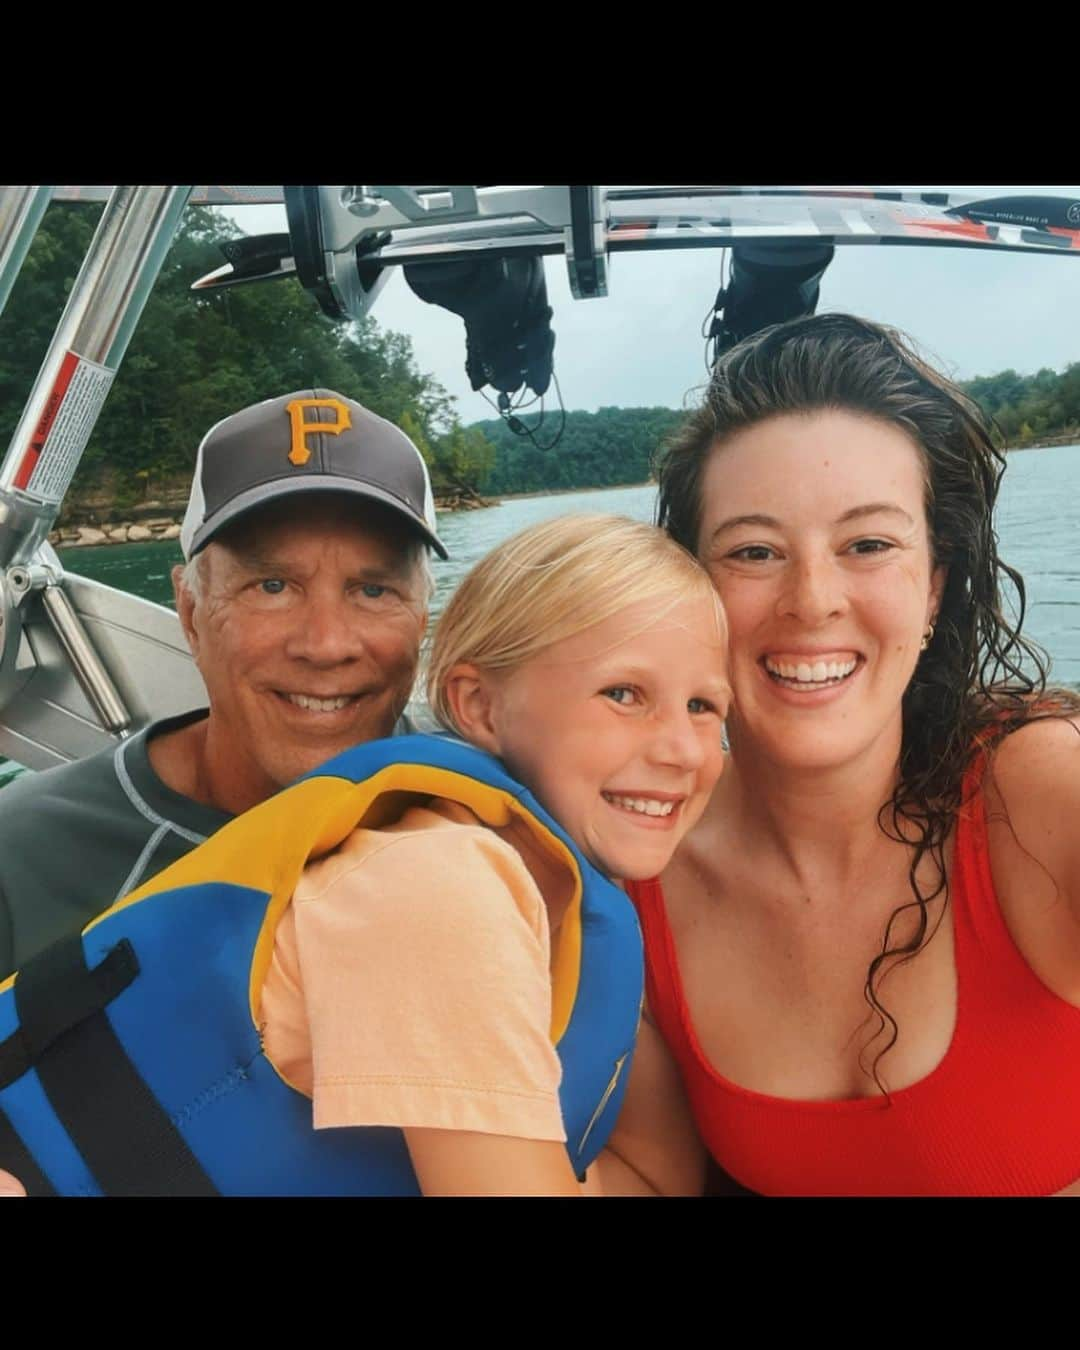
(310, 441)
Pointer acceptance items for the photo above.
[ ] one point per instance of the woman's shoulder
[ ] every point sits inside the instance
(1032, 799)
(1032, 793)
(1039, 759)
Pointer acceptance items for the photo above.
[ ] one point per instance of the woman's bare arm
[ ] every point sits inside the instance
(1032, 805)
(655, 1148)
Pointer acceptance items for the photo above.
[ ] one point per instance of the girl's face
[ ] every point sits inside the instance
(814, 530)
(618, 730)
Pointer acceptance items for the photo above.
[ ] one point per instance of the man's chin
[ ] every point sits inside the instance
(317, 752)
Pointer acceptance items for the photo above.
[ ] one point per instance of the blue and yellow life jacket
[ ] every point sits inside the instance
(130, 1056)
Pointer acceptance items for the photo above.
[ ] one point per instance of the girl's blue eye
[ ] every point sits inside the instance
(618, 689)
(700, 705)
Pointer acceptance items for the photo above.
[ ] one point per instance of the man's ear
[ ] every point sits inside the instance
(185, 609)
(472, 697)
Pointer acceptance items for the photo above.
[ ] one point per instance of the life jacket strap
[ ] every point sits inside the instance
(17, 1159)
(123, 1133)
(66, 1008)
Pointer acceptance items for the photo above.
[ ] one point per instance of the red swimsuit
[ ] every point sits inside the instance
(1000, 1115)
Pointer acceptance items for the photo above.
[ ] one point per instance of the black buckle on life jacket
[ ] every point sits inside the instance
(42, 1021)
(123, 1133)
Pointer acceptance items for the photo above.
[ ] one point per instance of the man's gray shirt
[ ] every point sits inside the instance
(75, 838)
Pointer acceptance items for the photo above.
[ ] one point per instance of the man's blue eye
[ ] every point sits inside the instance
(372, 590)
(272, 585)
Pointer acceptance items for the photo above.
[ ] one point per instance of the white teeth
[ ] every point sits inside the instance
(818, 674)
(645, 806)
(313, 704)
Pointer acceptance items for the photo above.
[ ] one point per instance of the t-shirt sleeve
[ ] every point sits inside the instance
(425, 976)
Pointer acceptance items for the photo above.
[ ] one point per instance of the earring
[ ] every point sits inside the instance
(928, 637)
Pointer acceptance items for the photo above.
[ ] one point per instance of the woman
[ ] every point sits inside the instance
(866, 955)
(417, 948)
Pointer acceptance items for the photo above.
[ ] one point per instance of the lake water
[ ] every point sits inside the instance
(1038, 526)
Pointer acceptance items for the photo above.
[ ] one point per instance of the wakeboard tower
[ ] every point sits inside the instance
(82, 664)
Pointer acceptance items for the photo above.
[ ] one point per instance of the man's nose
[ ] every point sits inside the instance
(326, 631)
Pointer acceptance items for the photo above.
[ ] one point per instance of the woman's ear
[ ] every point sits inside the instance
(472, 696)
(938, 578)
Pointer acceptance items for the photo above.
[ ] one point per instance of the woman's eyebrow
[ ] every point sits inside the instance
(855, 513)
(874, 509)
(755, 518)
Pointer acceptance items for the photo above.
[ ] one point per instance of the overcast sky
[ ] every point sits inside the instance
(971, 312)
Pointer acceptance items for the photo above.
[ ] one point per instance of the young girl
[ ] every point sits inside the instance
(421, 937)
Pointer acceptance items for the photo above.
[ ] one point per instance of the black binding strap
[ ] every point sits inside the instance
(17, 1159)
(125, 1137)
(68, 1005)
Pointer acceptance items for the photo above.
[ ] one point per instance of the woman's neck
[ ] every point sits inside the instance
(820, 824)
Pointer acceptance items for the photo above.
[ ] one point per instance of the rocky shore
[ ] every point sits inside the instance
(153, 521)
(119, 532)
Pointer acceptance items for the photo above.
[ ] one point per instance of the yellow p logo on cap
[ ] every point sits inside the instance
(298, 452)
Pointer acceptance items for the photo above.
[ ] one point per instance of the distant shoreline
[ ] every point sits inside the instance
(164, 529)
(563, 492)
(1073, 438)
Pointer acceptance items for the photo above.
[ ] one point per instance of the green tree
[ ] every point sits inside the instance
(196, 357)
(410, 425)
(464, 458)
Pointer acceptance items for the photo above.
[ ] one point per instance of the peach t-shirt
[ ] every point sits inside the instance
(410, 981)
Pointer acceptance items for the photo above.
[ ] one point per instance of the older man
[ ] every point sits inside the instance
(304, 599)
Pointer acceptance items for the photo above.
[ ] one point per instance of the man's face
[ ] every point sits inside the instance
(306, 630)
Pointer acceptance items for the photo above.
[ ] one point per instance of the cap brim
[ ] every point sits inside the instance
(269, 492)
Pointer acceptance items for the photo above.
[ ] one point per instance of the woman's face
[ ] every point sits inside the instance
(814, 530)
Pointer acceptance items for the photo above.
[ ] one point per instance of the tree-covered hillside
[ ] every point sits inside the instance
(1028, 408)
(601, 449)
(195, 358)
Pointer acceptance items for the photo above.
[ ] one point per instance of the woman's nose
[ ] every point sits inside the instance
(814, 591)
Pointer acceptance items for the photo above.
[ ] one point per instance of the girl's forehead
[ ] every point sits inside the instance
(641, 630)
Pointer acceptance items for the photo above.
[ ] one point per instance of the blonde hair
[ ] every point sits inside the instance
(553, 581)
